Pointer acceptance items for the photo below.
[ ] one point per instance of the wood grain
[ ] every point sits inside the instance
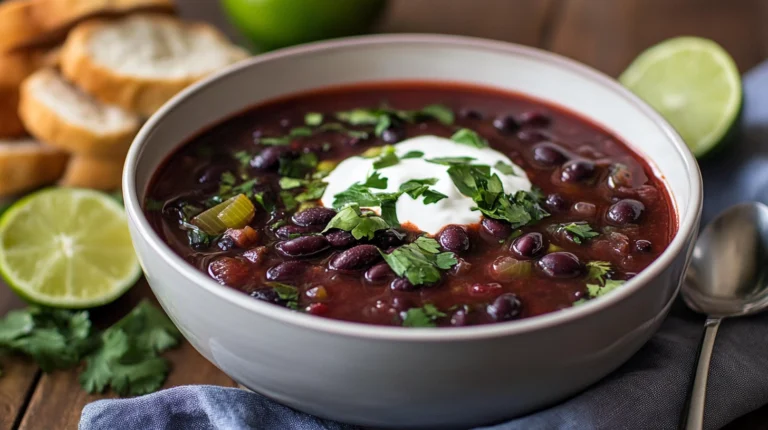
(18, 375)
(58, 399)
(608, 34)
(520, 21)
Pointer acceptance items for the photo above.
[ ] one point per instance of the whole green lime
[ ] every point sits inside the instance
(272, 24)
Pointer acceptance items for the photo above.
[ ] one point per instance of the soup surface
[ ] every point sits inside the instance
(412, 204)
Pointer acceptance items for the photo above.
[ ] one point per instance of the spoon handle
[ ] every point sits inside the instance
(694, 420)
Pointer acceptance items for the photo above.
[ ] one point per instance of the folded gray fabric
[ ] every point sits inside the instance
(646, 393)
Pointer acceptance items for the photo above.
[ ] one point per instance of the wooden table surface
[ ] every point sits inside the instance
(605, 34)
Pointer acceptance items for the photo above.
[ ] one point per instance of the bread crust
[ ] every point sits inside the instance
(99, 173)
(25, 165)
(34, 23)
(142, 95)
(14, 68)
(49, 127)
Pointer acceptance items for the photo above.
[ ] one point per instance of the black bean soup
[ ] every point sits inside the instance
(241, 202)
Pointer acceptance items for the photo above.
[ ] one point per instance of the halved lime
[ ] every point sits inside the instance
(67, 248)
(694, 84)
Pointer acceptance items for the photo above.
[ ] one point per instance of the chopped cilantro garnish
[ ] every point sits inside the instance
(359, 116)
(359, 224)
(335, 126)
(424, 316)
(356, 194)
(289, 201)
(450, 161)
(385, 121)
(287, 183)
(580, 231)
(420, 261)
(432, 196)
(300, 132)
(375, 180)
(596, 290)
(420, 187)
(153, 205)
(287, 293)
(439, 112)
(298, 167)
(275, 141)
(596, 271)
(243, 157)
(313, 118)
(314, 190)
(388, 208)
(412, 154)
(265, 201)
(468, 137)
(505, 168)
(386, 158)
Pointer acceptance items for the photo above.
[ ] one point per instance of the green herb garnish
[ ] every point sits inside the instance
(289, 201)
(580, 231)
(361, 225)
(439, 112)
(420, 261)
(505, 168)
(418, 187)
(468, 137)
(313, 118)
(596, 290)
(288, 293)
(596, 271)
(412, 154)
(299, 167)
(450, 161)
(386, 158)
(243, 157)
(424, 316)
(375, 180)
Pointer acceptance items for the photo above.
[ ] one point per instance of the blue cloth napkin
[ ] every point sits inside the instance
(646, 393)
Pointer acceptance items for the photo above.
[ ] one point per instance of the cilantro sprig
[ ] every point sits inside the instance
(469, 137)
(599, 285)
(361, 225)
(383, 118)
(579, 231)
(424, 316)
(420, 261)
(124, 357)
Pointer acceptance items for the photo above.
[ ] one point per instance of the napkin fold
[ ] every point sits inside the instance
(645, 393)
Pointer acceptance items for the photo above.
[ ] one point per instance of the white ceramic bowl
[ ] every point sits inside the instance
(390, 376)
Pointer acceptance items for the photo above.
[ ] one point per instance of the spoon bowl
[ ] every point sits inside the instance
(728, 275)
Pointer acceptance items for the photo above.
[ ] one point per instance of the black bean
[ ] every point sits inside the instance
(577, 170)
(532, 135)
(506, 307)
(560, 265)
(388, 238)
(401, 284)
(287, 270)
(401, 304)
(314, 216)
(535, 119)
(454, 238)
(496, 228)
(267, 294)
(506, 124)
(643, 246)
(304, 246)
(290, 231)
(393, 134)
(471, 114)
(625, 211)
(379, 273)
(340, 238)
(556, 202)
(549, 154)
(268, 158)
(459, 318)
(225, 243)
(529, 245)
(355, 258)
(584, 209)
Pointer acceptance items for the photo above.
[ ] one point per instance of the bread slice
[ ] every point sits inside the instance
(57, 113)
(14, 68)
(99, 173)
(140, 61)
(25, 23)
(26, 164)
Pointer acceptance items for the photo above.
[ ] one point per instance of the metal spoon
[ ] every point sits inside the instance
(728, 277)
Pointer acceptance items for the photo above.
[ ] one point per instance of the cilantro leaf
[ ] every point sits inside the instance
(427, 244)
(439, 112)
(450, 161)
(275, 141)
(355, 194)
(289, 201)
(595, 290)
(243, 157)
(412, 154)
(354, 221)
(384, 122)
(288, 293)
(580, 231)
(265, 201)
(424, 316)
(389, 210)
(432, 196)
(446, 260)
(297, 167)
(300, 132)
(596, 270)
(359, 116)
(387, 158)
(469, 137)
(375, 180)
(313, 118)
(314, 190)
(419, 261)
(16, 324)
(287, 183)
(505, 168)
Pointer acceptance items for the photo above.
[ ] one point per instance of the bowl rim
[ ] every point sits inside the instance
(686, 227)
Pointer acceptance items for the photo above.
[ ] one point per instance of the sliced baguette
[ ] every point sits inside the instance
(59, 114)
(141, 61)
(99, 173)
(25, 23)
(26, 164)
(14, 68)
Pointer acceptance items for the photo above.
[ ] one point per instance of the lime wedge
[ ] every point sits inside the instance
(67, 248)
(694, 84)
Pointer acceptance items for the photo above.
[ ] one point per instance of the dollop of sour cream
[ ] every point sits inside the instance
(431, 218)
